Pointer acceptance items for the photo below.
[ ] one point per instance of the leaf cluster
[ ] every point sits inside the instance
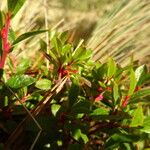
(62, 99)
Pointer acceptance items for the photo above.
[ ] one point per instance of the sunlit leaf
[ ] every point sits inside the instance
(43, 84)
(14, 6)
(23, 66)
(19, 81)
(111, 68)
(138, 117)
(146, 125)
(140, 74)
(1, 19)
(133, 82)
(27, 35)
(100, 111)
(63, 36)
(115, 91)
(55, 108)
(78, 134)
(12, 36)
(66, 49)
(79, 52)
(57, 45)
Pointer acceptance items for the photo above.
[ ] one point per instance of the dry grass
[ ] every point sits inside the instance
(123, 33)
(122, 27)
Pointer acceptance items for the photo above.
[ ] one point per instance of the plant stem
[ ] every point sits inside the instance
(46, 26)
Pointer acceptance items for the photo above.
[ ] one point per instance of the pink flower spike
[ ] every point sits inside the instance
(99, 98)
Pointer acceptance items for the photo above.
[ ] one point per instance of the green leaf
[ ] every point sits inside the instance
(127, 146)
(14, 6)
(1, 19)
(43, 84)
(55, 58)
(78, 134)
(115, 92)
(140, 94)
(23, 66)
(10, 64)
(6, 101)
(82, 53)
(55, 108)
(100, 111)
(27, 35)
(138, 117)
(124, 137)
(102, 84)
(66, 49)
(79, 52)
(63, 36)
(57, 45)
(146, 125)
(19, 81)
(12, 36)
(140, 74)
(121, 70)
(119, 138)
(111, 67)
(133, 82)
(87, 55)
(66, 53)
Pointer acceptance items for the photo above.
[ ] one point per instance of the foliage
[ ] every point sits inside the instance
(72, 102)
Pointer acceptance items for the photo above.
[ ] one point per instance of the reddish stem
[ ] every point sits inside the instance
(125, 101)
(5, 42)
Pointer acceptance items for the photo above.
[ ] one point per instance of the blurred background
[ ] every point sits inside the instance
(116, 28)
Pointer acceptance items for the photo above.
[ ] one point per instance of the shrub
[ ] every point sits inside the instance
(71, 102)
